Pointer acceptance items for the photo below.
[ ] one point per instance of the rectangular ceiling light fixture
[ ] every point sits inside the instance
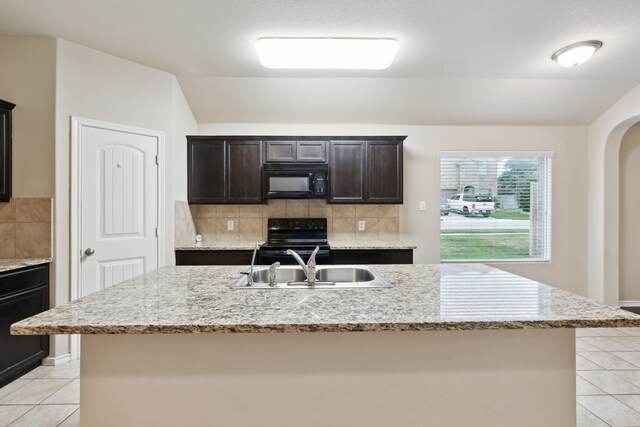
(326, 53)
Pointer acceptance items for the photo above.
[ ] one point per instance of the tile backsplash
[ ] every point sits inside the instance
(250, 221)
(25, 228)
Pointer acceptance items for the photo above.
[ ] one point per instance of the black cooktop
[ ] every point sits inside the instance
(296, 233)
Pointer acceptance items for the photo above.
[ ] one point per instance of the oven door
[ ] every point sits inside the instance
(269, 256)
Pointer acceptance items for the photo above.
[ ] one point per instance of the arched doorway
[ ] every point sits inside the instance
(609, 291)
(629, 205)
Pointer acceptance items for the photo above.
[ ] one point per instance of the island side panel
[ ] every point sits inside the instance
(448, 378)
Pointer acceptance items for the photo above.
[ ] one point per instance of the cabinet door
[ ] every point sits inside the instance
(347, 169)
(312, 151)
(280, 151)
(23, 293)
(5, 150)
(239, 257)
(372, 256)
(206, 171)
(384, 172)
(244, 172)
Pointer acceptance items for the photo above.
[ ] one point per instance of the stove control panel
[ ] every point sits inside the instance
(319, 224)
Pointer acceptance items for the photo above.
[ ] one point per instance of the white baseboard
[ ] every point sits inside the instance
(56, 360)
(630, 303)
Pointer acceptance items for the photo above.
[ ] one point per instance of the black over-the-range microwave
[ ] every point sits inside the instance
(295, 180)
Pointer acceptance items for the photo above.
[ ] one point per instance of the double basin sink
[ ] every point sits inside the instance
(327, 277)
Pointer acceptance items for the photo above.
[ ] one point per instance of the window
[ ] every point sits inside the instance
(495, 206)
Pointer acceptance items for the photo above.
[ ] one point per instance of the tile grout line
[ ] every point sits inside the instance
(606, 423)
(21, 416)
(70, 415)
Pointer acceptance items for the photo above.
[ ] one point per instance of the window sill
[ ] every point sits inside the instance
(492, 261)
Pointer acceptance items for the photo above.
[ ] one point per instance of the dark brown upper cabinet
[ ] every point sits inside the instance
(223, 170)
(244, 172)
(228, 169)
(384, 172)
(206, 171)
(5, 150)
(366, 171)
(347, 169)
(289, 151)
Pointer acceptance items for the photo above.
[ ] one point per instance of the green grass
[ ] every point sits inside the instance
(483, 231)
(510, 214)
(480, 246)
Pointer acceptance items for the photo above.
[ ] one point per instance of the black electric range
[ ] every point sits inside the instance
(299, 234)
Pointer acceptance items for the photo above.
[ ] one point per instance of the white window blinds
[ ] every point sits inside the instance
(495, 206)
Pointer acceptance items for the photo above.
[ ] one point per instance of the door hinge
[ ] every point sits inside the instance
(157, 160)
(157, 234)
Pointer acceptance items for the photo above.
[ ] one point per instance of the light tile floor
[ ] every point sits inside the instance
(608, 377)
(48, 396)
(607, 386)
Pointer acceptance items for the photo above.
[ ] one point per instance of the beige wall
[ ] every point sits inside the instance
(629, 208)
(27, 79)
(604, 139)
(567, 268)
(94, 85)
(183, 124)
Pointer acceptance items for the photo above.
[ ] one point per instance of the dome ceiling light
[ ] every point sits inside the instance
(326, 53)
(576, 53)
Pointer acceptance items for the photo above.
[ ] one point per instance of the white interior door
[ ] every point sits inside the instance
(118, 206)
(115, 206)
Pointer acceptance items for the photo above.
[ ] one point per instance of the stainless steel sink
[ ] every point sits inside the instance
(327, 277)
(283, 275)
(351, 274)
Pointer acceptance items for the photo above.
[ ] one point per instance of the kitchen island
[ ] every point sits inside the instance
(447, 345)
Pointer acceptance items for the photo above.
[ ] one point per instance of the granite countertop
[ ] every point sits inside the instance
(219, 246)
(371, 244)
(249, 245)
(195, 299)
(14, 264)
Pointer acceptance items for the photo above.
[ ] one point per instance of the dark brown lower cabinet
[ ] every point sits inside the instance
(339, 256)
(372, 256)
(23, 293)
(237, 257)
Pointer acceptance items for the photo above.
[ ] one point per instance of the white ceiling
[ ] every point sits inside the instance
(460, 61)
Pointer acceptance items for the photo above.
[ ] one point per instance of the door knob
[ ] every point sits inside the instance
(89, 251)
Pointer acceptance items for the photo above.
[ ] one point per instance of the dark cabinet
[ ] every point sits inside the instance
(5, 150)
(228, 169)
(372, 256)
(23, 293)
(312, 151)
(384, 172)
(206, 171)
(244, 172)
(347, 169)
(280, 151)
(366, 171)
(224, 171)
(231, 257)
(338, 256)
(288, 151)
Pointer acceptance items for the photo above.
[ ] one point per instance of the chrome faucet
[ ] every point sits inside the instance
(253, 260)
(272, 273)
(310, 268)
